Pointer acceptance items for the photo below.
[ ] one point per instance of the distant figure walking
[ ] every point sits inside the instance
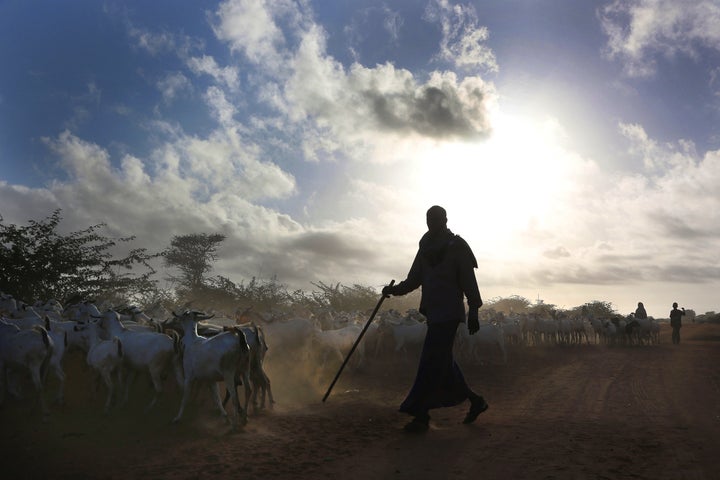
(676, 322)
(640, 311)
(444, 266)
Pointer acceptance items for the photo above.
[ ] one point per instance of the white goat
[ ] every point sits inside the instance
(55, 366)
(289, 336)
(8, 305)
(254, 378)
(149, 352)
(409, 333)
(211, 360)
(488, 336)
(26, 318)
(81, 312)
(103, 356)
(25, 350)
(256, 381)
(337, 343)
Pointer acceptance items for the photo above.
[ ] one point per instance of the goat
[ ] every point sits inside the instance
(407, 334)
(147, 352)
(289, 336)
(488, 335)
(26, 318)
(25, 350)
(211, 360)
(103, 356)
(255, 380)
(60, 344)
(338, 343)
(252, 375)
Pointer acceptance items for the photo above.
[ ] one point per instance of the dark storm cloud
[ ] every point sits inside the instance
(437, 112)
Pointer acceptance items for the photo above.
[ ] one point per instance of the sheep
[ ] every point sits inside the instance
(105, 357)
(210, 360)
(149, 352)
(25, 350)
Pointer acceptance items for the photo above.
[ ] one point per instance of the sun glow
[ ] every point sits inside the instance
(507, 184)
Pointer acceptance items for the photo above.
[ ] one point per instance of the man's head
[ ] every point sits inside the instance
(436, 219)
(640, 304)
(674, 304)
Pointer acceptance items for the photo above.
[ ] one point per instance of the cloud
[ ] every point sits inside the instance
(173, 84)
(383, 100)
(229, 76)
(250, 27)
(557, 252)
(83, 105)
(222, 109)
(640, 30)
(363, 29)
(649, 221)
(654, 155)
(157, 43)
(462, 37)
(345, 109)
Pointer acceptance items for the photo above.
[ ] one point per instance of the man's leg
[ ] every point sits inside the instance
(477, 406)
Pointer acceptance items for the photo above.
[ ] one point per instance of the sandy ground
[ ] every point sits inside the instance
(589, 411)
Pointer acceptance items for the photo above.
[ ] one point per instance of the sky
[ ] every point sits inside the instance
(574, 145)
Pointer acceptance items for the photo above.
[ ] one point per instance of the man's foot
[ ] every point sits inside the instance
(477, 406)
(418, 425)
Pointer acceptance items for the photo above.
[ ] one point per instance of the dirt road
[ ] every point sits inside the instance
(589, 411)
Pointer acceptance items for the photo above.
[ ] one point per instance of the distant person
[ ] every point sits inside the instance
(640, 312)
(444, 267)
(676, 322)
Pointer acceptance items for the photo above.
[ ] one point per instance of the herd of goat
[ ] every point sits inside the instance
(200, 349)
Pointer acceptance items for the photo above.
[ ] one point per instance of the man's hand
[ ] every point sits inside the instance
(472, 322)
(388, 290)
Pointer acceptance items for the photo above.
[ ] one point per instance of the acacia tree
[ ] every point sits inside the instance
(38, 263)
(193, 255)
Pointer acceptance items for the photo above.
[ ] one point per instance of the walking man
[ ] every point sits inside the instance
(676, 322)
(444, 267)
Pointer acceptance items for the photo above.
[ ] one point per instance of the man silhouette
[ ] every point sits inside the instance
(444, 267)
(676, 322)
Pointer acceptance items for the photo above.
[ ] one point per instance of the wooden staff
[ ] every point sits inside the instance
(377, 307)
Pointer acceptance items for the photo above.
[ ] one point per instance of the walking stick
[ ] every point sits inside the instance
(377, 307)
